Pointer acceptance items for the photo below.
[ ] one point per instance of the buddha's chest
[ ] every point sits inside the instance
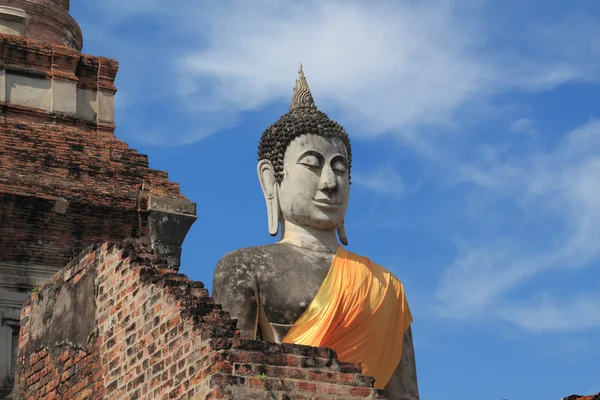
(285, 292)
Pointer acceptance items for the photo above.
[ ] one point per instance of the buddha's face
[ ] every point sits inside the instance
(315, 186)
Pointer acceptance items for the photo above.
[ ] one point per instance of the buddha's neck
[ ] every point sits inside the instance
(309, 238)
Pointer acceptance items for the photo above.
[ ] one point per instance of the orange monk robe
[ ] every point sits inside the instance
(361, 312)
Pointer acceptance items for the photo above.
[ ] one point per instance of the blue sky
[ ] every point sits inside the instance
(476, 139)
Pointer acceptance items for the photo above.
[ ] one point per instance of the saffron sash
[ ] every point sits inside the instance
(361, 312)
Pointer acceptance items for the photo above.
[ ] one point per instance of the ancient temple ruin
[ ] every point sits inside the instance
(90, 242)
(66, 181)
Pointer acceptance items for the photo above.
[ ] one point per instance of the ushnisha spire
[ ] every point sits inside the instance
(303, 118)
(302, 98)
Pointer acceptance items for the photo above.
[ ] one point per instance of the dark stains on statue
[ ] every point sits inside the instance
(280, 279)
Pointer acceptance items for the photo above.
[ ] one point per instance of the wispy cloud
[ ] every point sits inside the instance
(560, 184)
(569, 314)
(382, 180)
(524, 126)
(381, 67)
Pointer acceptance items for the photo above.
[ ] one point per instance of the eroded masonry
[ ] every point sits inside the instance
(66, 181)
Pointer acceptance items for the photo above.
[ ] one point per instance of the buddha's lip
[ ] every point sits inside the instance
(330, 203)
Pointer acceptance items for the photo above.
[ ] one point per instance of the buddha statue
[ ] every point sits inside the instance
(306, 288)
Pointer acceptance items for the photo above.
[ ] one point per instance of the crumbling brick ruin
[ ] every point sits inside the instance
(118, 322)
(66, 181)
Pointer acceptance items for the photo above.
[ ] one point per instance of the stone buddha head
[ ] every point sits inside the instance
(304, 162)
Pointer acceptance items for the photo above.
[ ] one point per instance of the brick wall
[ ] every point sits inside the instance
(65, 182)
(63, 4)
(60, 152)
(32, 232)
(118, 322)
(44, 155)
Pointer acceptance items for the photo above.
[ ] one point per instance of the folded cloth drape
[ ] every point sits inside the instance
(361, 312)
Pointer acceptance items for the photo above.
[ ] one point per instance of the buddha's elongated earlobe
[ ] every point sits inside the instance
(266, 176)
(341, 231)
(273, 213)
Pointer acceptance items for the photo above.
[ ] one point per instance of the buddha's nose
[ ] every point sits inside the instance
(328, 183)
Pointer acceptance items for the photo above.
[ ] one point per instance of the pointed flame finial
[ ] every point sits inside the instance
(302, 98)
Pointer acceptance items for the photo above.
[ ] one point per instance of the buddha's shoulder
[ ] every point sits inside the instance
(277, 258)
(249, 257)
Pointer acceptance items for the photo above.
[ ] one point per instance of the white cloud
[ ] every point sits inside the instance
(562, 184)
(384, 66)
(381, 67)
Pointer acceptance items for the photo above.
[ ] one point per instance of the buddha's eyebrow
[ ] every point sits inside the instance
(311, 153)
(339, 157)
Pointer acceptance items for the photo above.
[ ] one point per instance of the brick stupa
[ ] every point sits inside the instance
(66, 181)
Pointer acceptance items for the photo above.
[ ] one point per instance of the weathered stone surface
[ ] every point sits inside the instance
(64, 313)
(106, 107)
(288, 279)
(167, 231)
(64, 94)
(29, 91)
(87, 104)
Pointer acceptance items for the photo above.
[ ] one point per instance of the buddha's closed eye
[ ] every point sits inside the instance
(339, 167)
(311, 161)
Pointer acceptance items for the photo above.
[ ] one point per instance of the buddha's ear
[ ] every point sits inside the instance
(341, 231)
(268, 183)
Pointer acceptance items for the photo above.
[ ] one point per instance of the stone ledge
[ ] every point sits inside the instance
(23, 55)
(169, 221)
(13, 20)
(174, 206)
(13, 13)
(56, 96)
